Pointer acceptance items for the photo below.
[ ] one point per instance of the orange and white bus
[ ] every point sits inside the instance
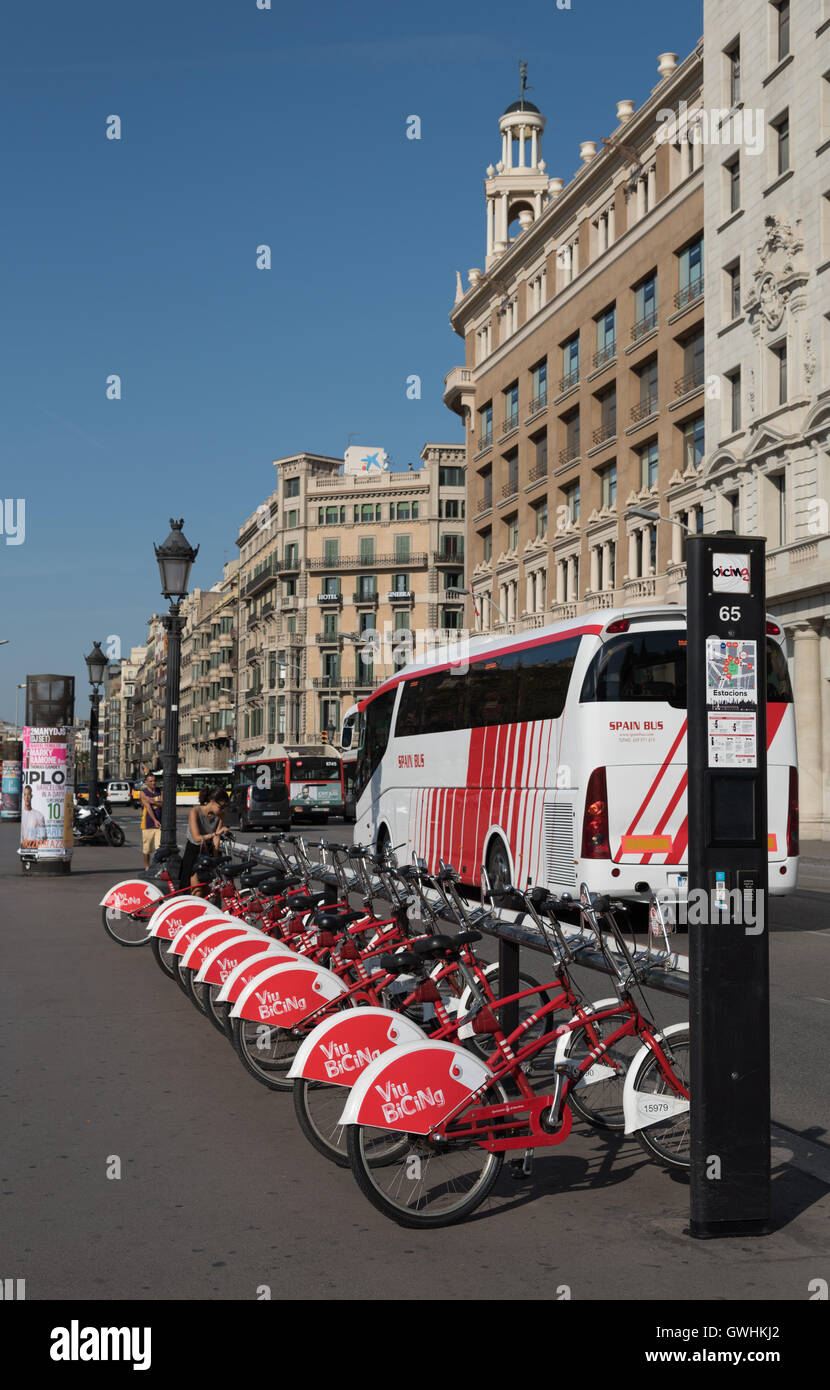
(557, 756)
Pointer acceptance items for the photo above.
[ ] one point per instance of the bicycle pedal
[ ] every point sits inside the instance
(572, 1070)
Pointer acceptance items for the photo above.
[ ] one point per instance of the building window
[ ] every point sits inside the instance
(648, 389)
(450, 477)
(539, 386)
(733, 382)
(400, 583)
(779, 482)
(331, 551)
(403, 511)
(571, 500)
(331, 624)
(539, 444)
(486, 545)
(690, 273)
(733, 291)
(733, 63)
(487, 495)
(367, 585)
(452, 547)
(414, 511)
(570, 363)
(512, 528)
(292, 553)
(782, 30)
(512, 485)
(606, 323)
(648, 465)
(645, 306)
(485, 433)
(453, 579)
(292, 487)
(483, 343)
(366, 546)
(781, 143)
(607, 414)
(331, 585)
(608, 486)
(511, 407)
(451, 508)
(779, 360)
(732, 179)
(541, 512)
(402, 549)
(693, 446)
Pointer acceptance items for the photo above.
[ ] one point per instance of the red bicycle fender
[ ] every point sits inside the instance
(131, 894)
(288, 993)
(414, 1087)
(168, 921)
(217, 931)
(250, 967)
(341, 1047)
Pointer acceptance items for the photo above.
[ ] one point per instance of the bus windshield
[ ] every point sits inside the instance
(260, 774)
(315, 769)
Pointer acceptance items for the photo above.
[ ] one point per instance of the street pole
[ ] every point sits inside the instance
(173, 625)
(94, 703)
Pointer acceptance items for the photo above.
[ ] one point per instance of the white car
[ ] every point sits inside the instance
(119, 792)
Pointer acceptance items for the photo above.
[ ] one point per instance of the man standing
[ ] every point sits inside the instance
(150, 822)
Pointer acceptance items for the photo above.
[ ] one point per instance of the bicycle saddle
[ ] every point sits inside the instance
(401, 964)
(249, 878)
(331, 921)
(440, 945)
(298, 902)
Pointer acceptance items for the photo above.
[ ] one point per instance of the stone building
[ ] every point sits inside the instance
(207, 701)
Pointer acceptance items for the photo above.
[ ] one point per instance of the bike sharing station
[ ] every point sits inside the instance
(726, 977)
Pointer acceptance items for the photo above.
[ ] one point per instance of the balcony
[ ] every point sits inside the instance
(442, 557)
(254, 653)
(329, 639)
(267, 608)
(255, 694)
(640, 588)
(457, 385)
(644, 325)
(689, 293)
(261, 581)
(603, 598)
(647, 406)
(605, 431)
(286, 603)
(484, 503)
(572, 379)
(510, 489)
(333, 599)
(539, 403)
(485, 441)
(290, 564)
(357, 562)
(560, 611)
(569, 453)
(692, 381)
(606, 354)
(537, 473)
(510, 423)
(365, 600)
(327, 683)
(400, 596)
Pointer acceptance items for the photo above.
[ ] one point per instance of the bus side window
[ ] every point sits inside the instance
(410, 710)
(492, 692)
(377, 723)
(544, 680)
(444, 706)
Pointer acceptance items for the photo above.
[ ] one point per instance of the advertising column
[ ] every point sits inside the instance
(48, 776)
(11, 775)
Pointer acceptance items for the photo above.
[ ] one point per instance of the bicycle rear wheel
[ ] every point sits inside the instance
(318, 1108)
(124, 928)
(161, 954)
(427, 1185)
(601, 1102)
(266, 1052)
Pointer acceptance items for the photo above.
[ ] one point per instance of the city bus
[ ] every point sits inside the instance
(189, 782)
(312, 773)
(557, 756)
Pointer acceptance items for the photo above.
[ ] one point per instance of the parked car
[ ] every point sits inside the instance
(119, 793)
(259, 808)
(81, 793)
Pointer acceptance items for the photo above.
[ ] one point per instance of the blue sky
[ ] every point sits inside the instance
(243, 127)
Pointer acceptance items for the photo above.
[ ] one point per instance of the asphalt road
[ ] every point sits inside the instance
(220, 1194)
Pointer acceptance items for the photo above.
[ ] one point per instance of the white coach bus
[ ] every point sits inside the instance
(557, 756)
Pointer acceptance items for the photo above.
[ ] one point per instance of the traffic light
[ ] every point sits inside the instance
(324, 738)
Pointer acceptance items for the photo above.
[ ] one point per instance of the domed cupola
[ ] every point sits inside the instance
(517, 188)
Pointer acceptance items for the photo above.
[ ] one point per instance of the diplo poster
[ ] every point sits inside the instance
(46, 805)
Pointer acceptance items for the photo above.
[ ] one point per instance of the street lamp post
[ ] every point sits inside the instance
(175, 559)
(18, 688)
(96, 664)
(467, 593)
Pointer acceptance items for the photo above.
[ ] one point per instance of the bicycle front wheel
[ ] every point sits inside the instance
(124, 928)
(318, 1108)
(427, 1185)
(667, 1142)
(266, 1052)
(601, 1102)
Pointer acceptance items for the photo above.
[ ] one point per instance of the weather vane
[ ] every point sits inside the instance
(523, 76)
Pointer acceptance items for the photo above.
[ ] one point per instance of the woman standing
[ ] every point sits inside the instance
(205, 827)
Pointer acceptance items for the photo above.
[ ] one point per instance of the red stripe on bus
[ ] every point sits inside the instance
(654, 785)
(666, 816)
(775, 714)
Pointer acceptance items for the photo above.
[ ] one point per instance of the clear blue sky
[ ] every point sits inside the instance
(243, 126)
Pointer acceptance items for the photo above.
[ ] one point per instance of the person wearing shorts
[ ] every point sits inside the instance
(150, 823)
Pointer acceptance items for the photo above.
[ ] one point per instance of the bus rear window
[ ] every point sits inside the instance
(650, 667)
(315, 769)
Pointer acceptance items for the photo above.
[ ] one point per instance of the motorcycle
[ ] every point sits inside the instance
(94, 824)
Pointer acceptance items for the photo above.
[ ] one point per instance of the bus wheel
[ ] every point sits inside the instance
(384, 842)
(498, 864)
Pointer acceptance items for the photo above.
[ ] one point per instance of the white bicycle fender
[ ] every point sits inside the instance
(131, 894)
(599, 1071)
(272, 952)
(642, 1108)
(268, 947)
(287, 993)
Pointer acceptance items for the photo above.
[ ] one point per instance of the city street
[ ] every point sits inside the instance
(220, 1194)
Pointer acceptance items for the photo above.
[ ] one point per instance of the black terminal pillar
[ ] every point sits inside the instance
(728, 869)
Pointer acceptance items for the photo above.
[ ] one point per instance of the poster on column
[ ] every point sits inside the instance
(47, 798)
(10, 787)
